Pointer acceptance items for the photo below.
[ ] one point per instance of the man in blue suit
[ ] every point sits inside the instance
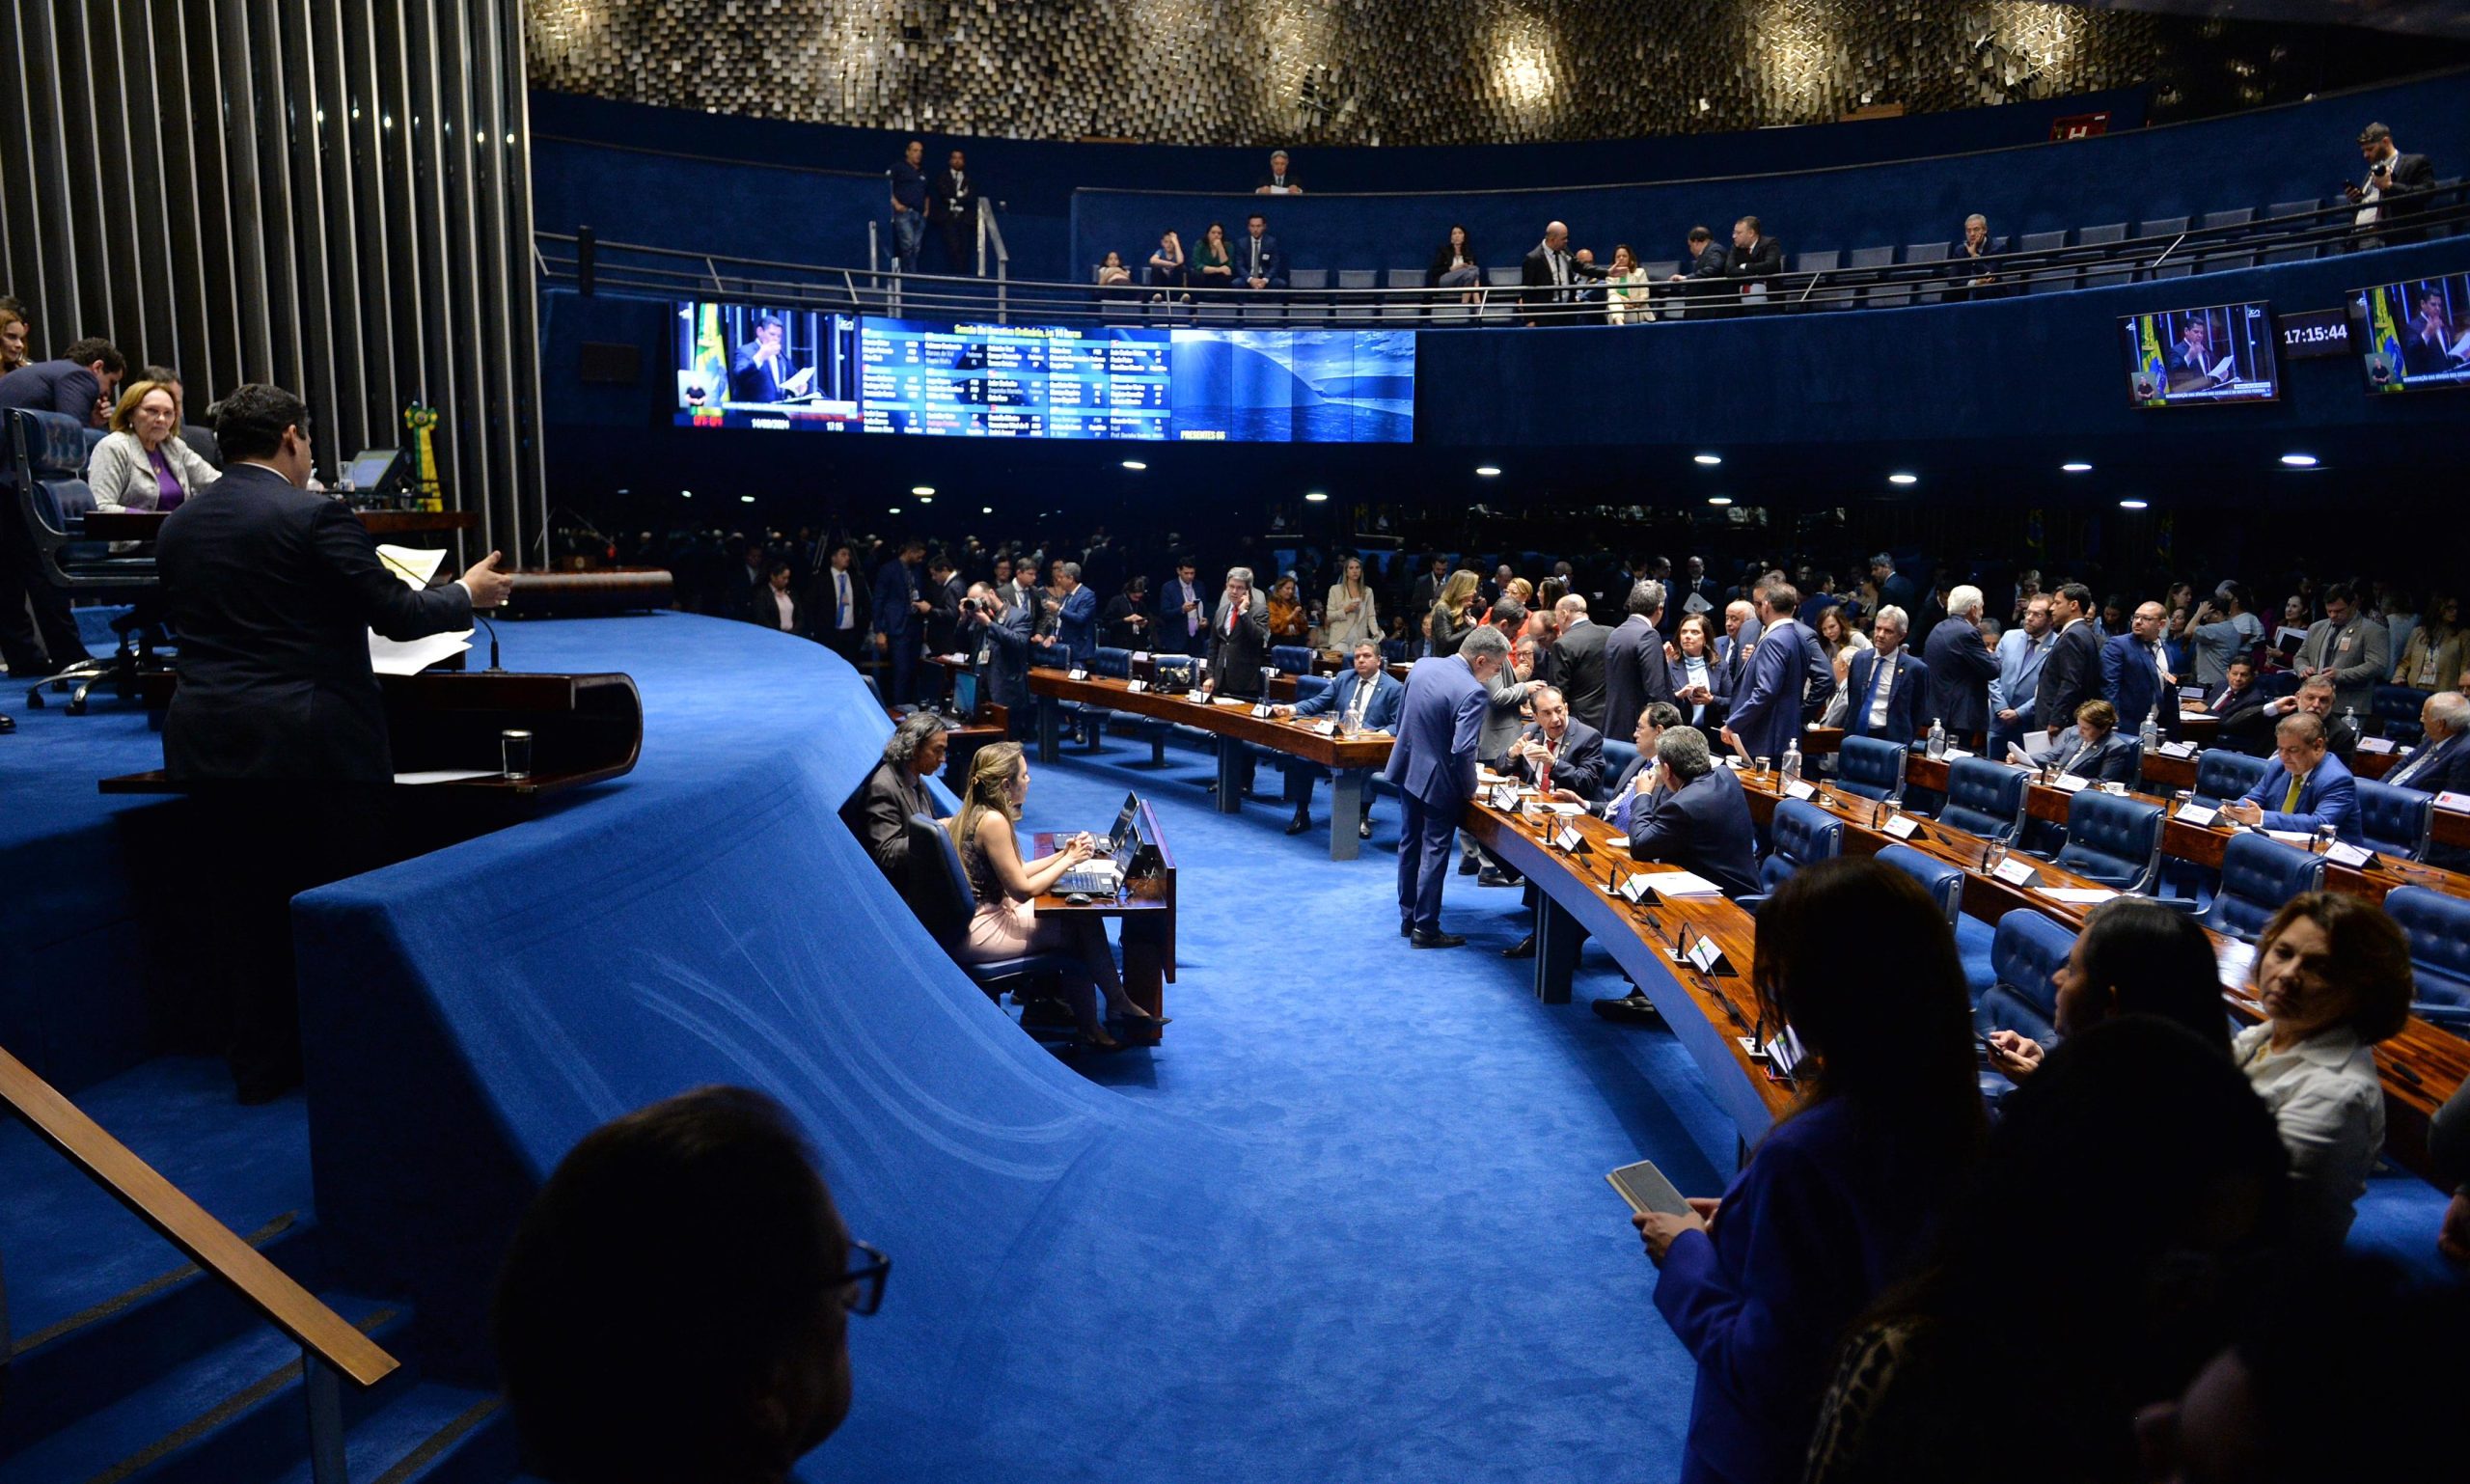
(2135, 675)
(2441, 763)
(1699, 819)
(900, 619)
(1365, 699)
(1183, 612)
(2305, 789)
(1789, 681)
(1075, 610)
(1886, 687)
(1258, 263)
(2021, 650)
(1433, 768)
(1961, 666)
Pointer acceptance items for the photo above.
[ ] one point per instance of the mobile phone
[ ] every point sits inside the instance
(1647, 1190)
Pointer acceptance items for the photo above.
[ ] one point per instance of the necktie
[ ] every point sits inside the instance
(841, 593)
(1191, 619)
(2289, 800)
(1230, 620)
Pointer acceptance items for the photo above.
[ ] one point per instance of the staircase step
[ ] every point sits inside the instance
(234, 1412)
(433, 1434)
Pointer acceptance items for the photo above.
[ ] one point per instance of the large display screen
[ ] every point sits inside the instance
(2188, 357)
(747, 367)
(2413, 337)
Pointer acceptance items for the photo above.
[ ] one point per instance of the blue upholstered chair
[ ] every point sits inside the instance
(1291, 659)
(1871, 767)
(940, 896)
(2395, 711)
(2025, 957)
(44, 494)
(2113, 840)
(2222, 774)
(1393, 652)
(1984, 798)
(1944, 883)
(1801, 834)
(2439, 932)
(1089, 722)
(2257, 875)
(1617, 756)
(2394, 821)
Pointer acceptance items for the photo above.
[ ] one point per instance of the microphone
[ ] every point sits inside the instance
(482, 620)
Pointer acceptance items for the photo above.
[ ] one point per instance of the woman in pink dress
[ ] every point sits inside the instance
(1007, 923)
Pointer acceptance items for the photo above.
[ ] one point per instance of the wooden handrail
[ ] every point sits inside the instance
(280, 1301)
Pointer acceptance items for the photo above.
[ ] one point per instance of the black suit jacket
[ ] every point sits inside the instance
(2071, 676)
(64, 387)
(1578, 671)
(1578, 767)
(946, 203)
(1635, 673)
(763, 612)
(822, 609)
(1703, 827)
(1755, 263)
(2399, 201)
(2245, 726)
(272, 591)
(1236, 659)
(1535, 276)
(1960, 669)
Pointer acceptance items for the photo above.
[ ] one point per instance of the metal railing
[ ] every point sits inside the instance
(1317, 302)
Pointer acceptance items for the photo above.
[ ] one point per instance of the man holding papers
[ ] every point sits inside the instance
(1699, 820)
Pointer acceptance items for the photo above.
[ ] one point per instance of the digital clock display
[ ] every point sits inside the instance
(2316, 332)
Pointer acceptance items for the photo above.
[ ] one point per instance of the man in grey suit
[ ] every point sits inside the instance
(2354, 650)
(1433, 768)
(1634, 673)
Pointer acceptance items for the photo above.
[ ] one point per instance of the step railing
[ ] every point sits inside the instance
(332, 1350)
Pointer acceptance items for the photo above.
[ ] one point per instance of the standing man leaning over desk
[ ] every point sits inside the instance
(272, 591)
(1433, 768)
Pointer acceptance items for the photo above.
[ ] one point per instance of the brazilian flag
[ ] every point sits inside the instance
(2387, 331)
(711, 356)
(2152, 368)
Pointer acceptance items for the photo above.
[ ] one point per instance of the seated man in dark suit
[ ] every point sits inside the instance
(2238, 704)
(2314, 697)
(1258, 263)
(1367, 698)
(1975, 264)
(1557, 751)
(2095, 750)
(1756, 260)
(273, 592)
(878, 813)
(1700, 820)
(1629, 796)
(2306, 787)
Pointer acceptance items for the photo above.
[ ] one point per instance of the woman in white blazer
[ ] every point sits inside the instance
(1349, 617)
(143, 465)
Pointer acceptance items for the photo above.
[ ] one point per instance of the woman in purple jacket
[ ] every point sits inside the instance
(1839, 1198)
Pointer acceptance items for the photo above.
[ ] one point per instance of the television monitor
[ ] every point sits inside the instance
(2413, 335)
(2193, 357)
(1124, 818)
(965, 694)
(375, 471)
(752, 365)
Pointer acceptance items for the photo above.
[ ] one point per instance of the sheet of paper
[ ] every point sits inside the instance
(1682, 884)
(2077, 896)
(445, 775)
(2234, 960)
(415, 564)
(1567, 808)
(409, 657)
(2292, 837)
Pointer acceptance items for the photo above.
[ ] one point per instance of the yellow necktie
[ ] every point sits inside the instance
(2290, 803)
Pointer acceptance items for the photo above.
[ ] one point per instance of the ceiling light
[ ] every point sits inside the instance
(891, 510)
(1710, 460)
(926, 491)
(986, 509)
(2131, 505)
(1135, 465)
(926, 499)
(1720, 499)
(686, 494)
(1315, 497)
(2299, 461)
(1903, 479)
(746, 499)
(2076, 467)
(1488, 471)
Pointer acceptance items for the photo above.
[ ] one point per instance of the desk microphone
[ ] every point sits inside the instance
(484, 620)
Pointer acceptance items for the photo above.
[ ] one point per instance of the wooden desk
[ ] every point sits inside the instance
(991, 723)
(2421, 1067)
(1707, 1013)
(147, 525)
(1146, 908)
(1350, 759)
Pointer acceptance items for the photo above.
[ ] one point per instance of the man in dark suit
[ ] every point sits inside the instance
(2136, 676)
(1788, 684)
(2071, 675)
(2441, 763)
(837, 603)
(878, 813)
(2237, 705)
(761, 372)
(1578, 660)
(1755, 260)
(951, 207)
(2429, 350)
(1433, 768)
(1183, 612)
(74, 386)
(995, 636)
(1074, 607)
(1425, 591)
(1280, 181)
(1698, 819)
(1548, 277)
(2394, 192)
(1886, 687)
(1239, 638)
(943, 589)
(1635, 672)
(900, 619)
(774, 606)
(1258, 263)
(1960, 667)
(1366, 698)
(278, 722)
(1702, 273)
(1694, 583)
(1559, 748)
(1974, 265)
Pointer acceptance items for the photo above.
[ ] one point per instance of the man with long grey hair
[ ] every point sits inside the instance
(878, 813)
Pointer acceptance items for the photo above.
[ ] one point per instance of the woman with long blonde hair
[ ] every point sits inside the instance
(1007, 923)
(1453, 614)
(1350, 616)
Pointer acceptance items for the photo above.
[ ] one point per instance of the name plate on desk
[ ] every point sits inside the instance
(2191, 693)
(1633, 890)
(1570, 839)
(1902, 827)
(2350, 856)
(1135, 687)
(2375, 744)
(1076, 673)
(1506, 797)
(1703, 954)
(2017, 873)
(1325, 728)
(1140, 656)
(2177, 749)
(2197, 815)
(2068, 782)
(2455, 801)
(1801, 788)
(1260, 710)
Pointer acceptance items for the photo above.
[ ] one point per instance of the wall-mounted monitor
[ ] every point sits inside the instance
(746, 366)
(2193, 357)
(2414, 336)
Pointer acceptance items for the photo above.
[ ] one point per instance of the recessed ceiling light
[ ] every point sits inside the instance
(1720, 499)
(1315, 497)
(2299, 461)
(2131, 505)
(891, 510)
(1135, 465)
(1710, 460)
(686, 494)
(986, 509)
(2076, 467)
(922, 490)
(1903, 479)
(1489, 471)
(746, 499)
(926, 499)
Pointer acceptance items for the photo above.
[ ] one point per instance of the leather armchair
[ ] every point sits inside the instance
(2256, 876)
(2113, 840)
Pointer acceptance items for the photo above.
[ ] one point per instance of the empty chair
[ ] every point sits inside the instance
(2394, 821)
(1259, 315)
(2396, 710)
(2257, 875)
(1307, 297)
(1658, 272)
(1291, 659)
(2220, 255)
(1089, 721)
(1617, 758)
(1818, 262)
(2438, 928)
(2025, 957)
(1354, 305)
(2043, 278)
(1944, 883)
(1502, 303)
(1213, 311)
(2180, 259)
(2106, 235)
(2222, 774)
(1407, 302)
(1984, 798)
(1801, 834)
(1871, 767)
(1879, 295)
(2113, 840)
(1927, 292)
(2296, 252)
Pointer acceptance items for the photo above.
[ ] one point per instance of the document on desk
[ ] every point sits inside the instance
(447, 775)
(2077, 896)
(1682, 884)
(409, 657)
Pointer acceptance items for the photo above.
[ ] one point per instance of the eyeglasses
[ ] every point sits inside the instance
(862, 1285)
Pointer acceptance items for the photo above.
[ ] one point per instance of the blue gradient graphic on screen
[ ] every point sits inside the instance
(742, 365)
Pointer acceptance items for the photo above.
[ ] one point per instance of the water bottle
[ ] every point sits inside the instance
(1792, 763)
(2150, 733)
(2350, 715)
(1937, 747)
(1995, 856)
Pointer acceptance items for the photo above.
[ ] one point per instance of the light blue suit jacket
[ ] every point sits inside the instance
(1380, 714)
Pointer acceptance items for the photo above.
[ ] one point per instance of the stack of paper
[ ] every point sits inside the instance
(1683, 884)
(402, 657)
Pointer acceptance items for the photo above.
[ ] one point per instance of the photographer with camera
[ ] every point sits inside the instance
(996, 635)
(2392, 192)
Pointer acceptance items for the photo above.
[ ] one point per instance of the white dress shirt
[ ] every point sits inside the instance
(2329, 1106)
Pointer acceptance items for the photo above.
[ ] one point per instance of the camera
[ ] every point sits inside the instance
(2382, 168)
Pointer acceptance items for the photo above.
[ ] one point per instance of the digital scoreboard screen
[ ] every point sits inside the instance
(749, 367)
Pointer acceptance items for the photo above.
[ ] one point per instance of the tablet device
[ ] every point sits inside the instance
(1647, 1190)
